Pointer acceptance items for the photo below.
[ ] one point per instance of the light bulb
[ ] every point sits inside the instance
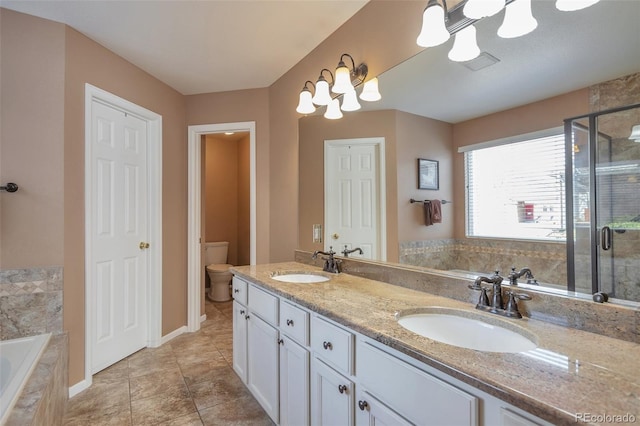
(518, 20)
(350, 101)
(465, 46)
(434, 32)
(343, 79)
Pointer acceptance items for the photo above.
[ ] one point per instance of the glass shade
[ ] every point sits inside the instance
(322, 96)
(465, 46)
(518, 20)
(305, 105)
(434, 32)
(333, 110)
(370, 91)
(571, 5)
(350, 101)
(343, 79)
(478, 9)
(635, 133)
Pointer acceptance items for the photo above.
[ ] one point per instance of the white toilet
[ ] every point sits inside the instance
(215, 257)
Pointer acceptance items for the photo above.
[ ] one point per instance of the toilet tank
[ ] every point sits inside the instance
(215, 252)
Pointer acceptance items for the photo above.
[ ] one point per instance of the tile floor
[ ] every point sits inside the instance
(187, 381)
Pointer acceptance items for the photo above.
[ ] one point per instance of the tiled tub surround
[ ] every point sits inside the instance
(592, 373)
(547, 260)
(30, 302)
(44, 397)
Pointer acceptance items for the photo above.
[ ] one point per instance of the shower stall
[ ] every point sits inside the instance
(603, 203)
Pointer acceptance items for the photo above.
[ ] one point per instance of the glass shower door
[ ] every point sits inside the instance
(603, 238)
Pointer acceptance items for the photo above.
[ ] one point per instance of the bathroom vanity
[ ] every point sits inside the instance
(333, 353)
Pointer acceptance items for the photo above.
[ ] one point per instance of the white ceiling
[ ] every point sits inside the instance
(206, 45)
(212, 46)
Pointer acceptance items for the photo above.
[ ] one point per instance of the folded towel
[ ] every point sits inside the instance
(436, 211)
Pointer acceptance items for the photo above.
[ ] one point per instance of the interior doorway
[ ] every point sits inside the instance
(195, 203)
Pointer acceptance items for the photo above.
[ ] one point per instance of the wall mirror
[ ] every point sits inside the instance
(567, 52)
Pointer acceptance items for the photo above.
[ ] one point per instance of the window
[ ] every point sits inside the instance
(515, 187)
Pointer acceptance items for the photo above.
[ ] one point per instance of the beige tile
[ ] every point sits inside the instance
(115, 373)
(117, 415)
(224, 388)
(242, 412)
(155, 383)
(192, 419)
(155, 363)
(194, 372)
(173, 403)
(99, 397)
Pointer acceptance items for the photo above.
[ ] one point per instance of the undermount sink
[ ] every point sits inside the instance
(300, 278)
(467, 329)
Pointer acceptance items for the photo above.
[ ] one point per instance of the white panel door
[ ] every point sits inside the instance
(119, 226)
(332, 396)
(352, 197)
(294, 383)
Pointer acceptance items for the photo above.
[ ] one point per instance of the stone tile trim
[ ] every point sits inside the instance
(29, 281)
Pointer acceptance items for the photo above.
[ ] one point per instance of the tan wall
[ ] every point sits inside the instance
(421, 137)
(242, 106)
(378, 35)
(227, 195)
(314, 130)
(545, 114)
(31, 141)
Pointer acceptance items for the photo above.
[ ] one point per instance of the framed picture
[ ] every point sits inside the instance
(428, 174)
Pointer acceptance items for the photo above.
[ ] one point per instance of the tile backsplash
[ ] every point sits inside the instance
(30, 301)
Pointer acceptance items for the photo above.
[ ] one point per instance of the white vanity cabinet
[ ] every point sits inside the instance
(306, 369)
(294, 365)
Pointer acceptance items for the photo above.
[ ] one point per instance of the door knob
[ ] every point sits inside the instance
(335, 236)
(144, 245)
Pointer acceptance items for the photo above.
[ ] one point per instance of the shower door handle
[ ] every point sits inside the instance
(606, 238)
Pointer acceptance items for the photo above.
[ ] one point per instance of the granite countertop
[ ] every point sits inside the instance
(572, 372)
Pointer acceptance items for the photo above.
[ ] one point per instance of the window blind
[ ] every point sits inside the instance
(516, 190)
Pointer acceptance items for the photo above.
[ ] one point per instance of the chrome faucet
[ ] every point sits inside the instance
(496, 306)
(513, 276)
(346, 251)
(331, 264)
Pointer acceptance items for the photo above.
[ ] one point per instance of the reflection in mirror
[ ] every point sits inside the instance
(571, 65)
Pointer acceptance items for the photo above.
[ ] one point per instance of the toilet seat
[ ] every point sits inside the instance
(219, 267)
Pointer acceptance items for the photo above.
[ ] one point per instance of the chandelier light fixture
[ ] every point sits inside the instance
(344, 82)
(439, 24)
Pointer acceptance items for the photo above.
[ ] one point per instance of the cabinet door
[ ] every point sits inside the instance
(371, 412)
(332, 396)
(240, 340)
(262, 350)
(294, 383)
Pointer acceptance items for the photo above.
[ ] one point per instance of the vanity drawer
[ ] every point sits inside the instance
(294, 322)
(411, 392)
(264, 304)
(332, 344)
(239, 290)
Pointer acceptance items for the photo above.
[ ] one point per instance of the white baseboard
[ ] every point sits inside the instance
(79, 387)
(203, 318)
(174, 334)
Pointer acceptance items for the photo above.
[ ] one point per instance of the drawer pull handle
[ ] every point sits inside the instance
(281, 342)
(363, 405)
(342, 388)
(246, 317)
(242, 312)
(290, 322)
(235, 290)
(327, 345)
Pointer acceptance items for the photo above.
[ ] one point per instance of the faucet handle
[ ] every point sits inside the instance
(511, 310)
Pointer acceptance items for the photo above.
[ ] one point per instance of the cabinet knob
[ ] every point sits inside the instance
(363, 405)
(290, 322)
(235, 290)
(327, 345)
(242, 312)
(246, 317)
(342, 388)
(280, 342)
